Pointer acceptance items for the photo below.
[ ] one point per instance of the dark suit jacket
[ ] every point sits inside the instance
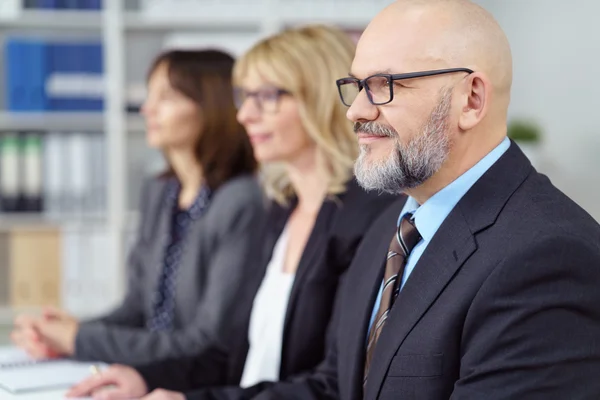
(220, 256)
(338, 230)
(503, 304)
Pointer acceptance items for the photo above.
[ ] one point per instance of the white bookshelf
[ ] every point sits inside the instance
(66, 20)
(117, 26)
(62, 121)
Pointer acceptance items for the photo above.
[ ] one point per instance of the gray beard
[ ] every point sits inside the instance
(409, 165)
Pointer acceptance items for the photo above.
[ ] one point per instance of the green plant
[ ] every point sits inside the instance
(521, 130)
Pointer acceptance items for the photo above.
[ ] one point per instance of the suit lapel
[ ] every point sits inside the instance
(436, 267)
(365, 277)
(159, 232)
(313, 247)
(449, 249)
(359, 311)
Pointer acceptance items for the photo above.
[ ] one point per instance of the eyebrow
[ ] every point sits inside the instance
(385, 71)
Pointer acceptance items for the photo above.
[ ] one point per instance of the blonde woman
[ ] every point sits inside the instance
(288, 102)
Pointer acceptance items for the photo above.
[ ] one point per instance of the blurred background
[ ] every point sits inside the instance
(72, 148)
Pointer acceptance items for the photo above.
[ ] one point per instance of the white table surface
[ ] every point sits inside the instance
(41, 395)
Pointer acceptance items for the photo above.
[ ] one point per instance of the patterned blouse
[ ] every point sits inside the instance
(164, 302)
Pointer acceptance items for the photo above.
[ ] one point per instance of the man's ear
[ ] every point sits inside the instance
(478, 90)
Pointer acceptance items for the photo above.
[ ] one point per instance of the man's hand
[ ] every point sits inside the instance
(161, 394)
(115, 383)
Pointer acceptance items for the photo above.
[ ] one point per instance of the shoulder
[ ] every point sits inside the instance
(151, 195)
(540, 210)
(237, 194)
(153, 186)
(362, 205)
(241, 189)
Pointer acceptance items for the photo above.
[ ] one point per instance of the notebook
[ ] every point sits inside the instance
(20, 373)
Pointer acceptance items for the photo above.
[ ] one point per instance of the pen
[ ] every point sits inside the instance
(95, 369)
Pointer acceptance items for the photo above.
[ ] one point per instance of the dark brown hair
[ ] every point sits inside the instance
(204, 76)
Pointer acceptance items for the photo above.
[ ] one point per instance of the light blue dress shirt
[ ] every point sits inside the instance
(429, 216)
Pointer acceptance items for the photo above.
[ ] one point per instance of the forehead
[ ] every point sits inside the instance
(397, 44)
(254, 78)
(159, 74)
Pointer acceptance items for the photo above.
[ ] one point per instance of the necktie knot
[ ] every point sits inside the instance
(408, 235)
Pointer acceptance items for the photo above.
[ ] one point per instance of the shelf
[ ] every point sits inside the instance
(62, 121)
(51, 121)
(41, 221)
(8, 314)
(60, 20)
(35, 221)
(135, 21)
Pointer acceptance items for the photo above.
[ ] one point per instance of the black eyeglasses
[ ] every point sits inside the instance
(267, 99)
(379, 87)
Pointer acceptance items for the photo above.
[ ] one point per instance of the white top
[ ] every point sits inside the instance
(267, 319)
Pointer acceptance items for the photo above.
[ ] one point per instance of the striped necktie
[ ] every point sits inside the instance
(405, 239)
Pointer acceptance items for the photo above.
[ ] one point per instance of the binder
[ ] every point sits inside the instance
(93, 4)
(90, 59)
(77, 172)
(10, 172)
(15, 75)
(35, 275)
(54, 182)
(27, 63)
(37, 70)
(31, 164)
(75, 77)
(47, 4)
(62, 65)
(30, 4)
(71, 4)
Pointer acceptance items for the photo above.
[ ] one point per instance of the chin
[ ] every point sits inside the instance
(155, 144)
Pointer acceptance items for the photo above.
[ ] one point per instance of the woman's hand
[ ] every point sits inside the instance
(58, 331)
(26, 336)
(49, 336)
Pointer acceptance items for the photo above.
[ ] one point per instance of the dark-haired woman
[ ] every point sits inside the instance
(197, 242)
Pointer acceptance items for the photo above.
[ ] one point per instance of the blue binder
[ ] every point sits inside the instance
(15, 75)
(91, 4)
(75, 58)
(27, 64)
(37, 71)
(94, 4)
(48, 4)
(92, 60)
(62, 56)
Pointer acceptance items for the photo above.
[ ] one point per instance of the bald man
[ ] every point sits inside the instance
(485, 283)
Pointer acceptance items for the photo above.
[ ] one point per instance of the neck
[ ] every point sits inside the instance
(463, 156)
(188, 171)
(309, 182)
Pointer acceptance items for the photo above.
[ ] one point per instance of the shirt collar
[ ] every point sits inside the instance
(431, 214)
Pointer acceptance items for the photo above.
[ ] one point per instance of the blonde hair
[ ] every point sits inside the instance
(306, 61)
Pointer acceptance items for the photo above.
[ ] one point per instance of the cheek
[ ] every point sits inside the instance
(290, 131)
(406, 122)
(182, 125)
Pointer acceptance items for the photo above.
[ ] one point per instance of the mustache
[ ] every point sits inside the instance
(375, 129)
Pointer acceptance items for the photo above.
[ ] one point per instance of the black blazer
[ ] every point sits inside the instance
(503, 304)
(337, 232)
(220, 256)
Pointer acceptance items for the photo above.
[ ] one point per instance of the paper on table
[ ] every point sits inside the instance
(11, 356)
(44, 376)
